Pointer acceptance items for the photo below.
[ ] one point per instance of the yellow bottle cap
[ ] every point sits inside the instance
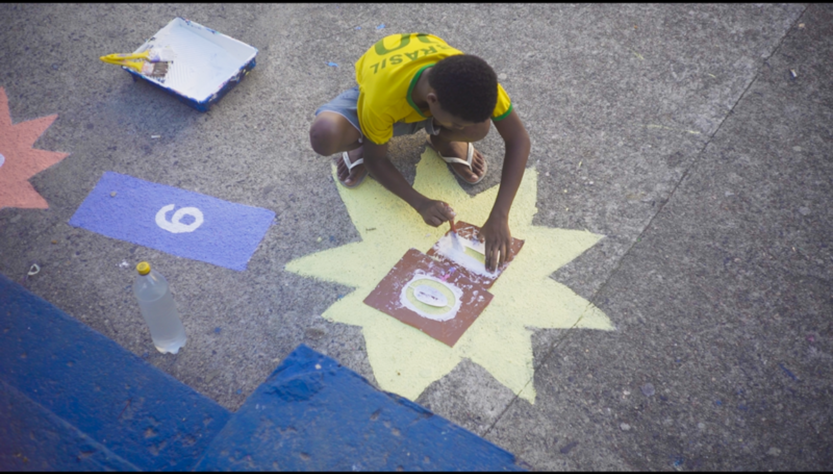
(143, 268)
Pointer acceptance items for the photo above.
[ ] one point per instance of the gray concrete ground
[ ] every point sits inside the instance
(705, 163)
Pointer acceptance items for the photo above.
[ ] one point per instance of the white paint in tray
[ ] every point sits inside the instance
(204, 60)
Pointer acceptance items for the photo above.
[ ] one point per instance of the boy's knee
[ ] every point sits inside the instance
(477, 131)
(323, 137)
(482, 129)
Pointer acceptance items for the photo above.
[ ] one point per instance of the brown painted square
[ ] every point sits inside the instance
(385, 297)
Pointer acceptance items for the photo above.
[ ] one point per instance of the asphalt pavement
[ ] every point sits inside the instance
(694, 140)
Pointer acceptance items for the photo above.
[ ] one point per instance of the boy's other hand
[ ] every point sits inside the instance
(435, 212)
(498, 241)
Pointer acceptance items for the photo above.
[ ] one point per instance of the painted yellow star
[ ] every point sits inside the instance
(405, 360)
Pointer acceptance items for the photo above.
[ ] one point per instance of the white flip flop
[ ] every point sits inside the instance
(350, 166)
(467, 162)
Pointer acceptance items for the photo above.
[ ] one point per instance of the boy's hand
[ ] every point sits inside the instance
(498, 242)
(496, 229)
(435, 212)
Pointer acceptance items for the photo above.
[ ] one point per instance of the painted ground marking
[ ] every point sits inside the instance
(405, 360)
(396, 296)
(200, 227)
(19, 161)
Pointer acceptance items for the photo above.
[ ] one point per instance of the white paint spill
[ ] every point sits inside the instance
(34, 270)
(2, 160)
(445, 247)
(452, 311)
(430, 296)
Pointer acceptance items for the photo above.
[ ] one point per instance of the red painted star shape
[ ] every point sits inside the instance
(19, 161)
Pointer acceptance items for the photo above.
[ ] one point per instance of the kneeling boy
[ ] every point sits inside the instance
(409, 82)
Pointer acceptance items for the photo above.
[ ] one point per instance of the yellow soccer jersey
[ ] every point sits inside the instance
(386, 75)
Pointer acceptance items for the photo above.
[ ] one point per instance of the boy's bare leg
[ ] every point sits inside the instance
(331, 133)
(450, 143)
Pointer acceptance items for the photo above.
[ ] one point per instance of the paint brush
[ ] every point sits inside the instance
(455, 239)
(151, 63)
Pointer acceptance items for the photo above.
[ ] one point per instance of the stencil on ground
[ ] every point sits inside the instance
(470, 259)
(396, 295)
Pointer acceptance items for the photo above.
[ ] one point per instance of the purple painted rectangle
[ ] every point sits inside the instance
(179, 222)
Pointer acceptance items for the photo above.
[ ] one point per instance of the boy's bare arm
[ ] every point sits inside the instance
(496, 229)
(433, 212)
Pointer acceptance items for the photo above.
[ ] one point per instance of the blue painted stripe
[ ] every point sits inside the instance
(141, 414)
(179, 222)
(312, 414)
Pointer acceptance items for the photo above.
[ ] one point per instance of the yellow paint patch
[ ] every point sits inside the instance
(405, 360)
(475, 255)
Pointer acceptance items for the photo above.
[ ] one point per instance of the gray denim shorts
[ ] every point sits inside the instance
(345, 105)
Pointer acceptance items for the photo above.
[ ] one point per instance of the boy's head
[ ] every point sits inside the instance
(465, 87)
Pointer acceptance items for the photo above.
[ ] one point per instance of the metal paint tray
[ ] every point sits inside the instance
(206, 64)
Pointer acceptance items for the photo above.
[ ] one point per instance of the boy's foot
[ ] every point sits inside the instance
(351, 172)
(472, 169)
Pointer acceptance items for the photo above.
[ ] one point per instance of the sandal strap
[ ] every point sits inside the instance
(351, 164)
(454, 159)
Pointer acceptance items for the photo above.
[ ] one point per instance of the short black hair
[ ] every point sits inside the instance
(466, 87)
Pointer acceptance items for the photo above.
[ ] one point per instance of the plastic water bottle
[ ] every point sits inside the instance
(158, 309)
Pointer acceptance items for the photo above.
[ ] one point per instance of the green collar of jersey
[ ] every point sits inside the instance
(411, 89)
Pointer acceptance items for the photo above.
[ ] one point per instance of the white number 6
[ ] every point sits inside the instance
(175, 225)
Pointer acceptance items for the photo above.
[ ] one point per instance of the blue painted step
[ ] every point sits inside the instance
(72, 399)
(32, 438)
(98, 401)
(313, 414)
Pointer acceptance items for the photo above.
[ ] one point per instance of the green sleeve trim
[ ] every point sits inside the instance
(411, 89)
(505, 114)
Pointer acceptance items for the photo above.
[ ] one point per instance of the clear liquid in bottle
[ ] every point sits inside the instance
(159, 310)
